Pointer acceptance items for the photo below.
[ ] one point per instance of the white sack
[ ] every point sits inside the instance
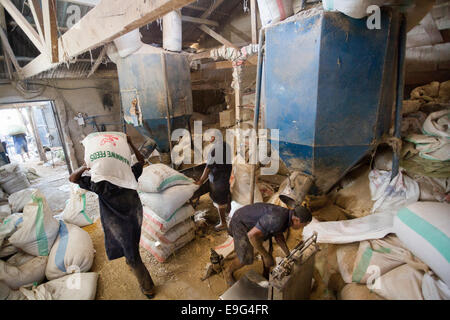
(158, 177)
(392, 195)
(164, 226)
(374, 226)
(77, 286)
(273, 11)
(401, 283)
(162, 251)
(434, 288)
(166, 203)
(73, 251)
(9, 226)
(108, 156)
(172, 235)
(75, 211)
(424, 228)
(18, 200)
(5, 211)
(353, 8)
(38, 230)
(15, 276)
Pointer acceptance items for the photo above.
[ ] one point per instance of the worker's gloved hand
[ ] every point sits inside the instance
(198, 182)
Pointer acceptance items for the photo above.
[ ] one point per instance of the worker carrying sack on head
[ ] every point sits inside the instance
(218, 171)
(252, 224)
(120, 210)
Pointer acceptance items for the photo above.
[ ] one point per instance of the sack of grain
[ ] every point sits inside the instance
(162, 251)
(12, 178)
(158, 177)
(22, 269)
(75, 211)
(354, 291)
(108, 156)
(424, 228)
(401, 283)
(167, 202)
(73, 251)
(172, 235)
(5, 211)
(383, 254)
(7, 294)
(346, 255)
(9, 226)
(36, 234)
(164, 225)
(18, 200)
(77, 286)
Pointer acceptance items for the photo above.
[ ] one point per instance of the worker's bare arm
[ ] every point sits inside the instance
(282, 243)
(256, 238)
(76, 175)
(138, 154)
(203, 177)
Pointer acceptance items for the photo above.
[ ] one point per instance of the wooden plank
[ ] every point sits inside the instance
(217, 36)
(36, 11)
(211, 9)
(111, 19)
(50, 29)
(199, 21)
(105, 22)
(8, 64)
(98, 61)
(253, 21)
(23, 24)
(9, 52)
(39, 64)
(203, 9)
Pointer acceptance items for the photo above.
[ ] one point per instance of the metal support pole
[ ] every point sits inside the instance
(257, 107)
(168, 105)
(400, 87)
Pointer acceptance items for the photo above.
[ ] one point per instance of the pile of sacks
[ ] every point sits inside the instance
(35, 247)
(167, 220)
(392, 256)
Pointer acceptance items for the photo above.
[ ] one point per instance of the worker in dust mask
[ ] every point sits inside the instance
(121, 217)
(218, 171)
(252, 224)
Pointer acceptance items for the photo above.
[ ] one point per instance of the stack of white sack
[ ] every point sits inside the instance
(167, 222)
(36, 247)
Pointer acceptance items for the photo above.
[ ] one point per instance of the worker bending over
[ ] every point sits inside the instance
(121, 217)
(218, 171)
(252, 224)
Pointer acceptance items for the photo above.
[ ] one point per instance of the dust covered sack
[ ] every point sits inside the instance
(424, 228)
(36, 234)
(164, 225)
(165, 203)
(77, 286)
(73, 251)
(170, 236)
(158, 177)
(18, 200)
(75, 211)
(22, 269)
(108, 156)
(163, 251)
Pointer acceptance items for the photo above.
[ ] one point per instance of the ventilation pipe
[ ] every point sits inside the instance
(172, 36)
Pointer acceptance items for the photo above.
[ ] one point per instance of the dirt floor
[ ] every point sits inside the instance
(179, 277)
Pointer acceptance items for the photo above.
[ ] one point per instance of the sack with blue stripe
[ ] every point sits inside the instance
(72, 252)
(424, 228)
(36, 234)
(77, 208)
